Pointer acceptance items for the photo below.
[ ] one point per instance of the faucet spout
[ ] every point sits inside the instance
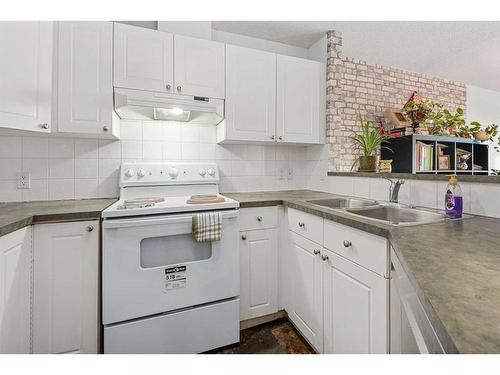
(394, 190)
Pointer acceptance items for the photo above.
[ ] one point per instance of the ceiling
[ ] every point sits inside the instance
(461, 51)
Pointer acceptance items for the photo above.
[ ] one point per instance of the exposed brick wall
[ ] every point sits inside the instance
(355, 86)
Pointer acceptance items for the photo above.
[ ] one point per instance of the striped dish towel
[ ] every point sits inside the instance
(207, 227)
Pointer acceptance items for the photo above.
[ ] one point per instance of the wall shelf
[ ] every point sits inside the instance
(404, 158)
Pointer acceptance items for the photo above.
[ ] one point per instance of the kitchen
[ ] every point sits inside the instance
(195, 179)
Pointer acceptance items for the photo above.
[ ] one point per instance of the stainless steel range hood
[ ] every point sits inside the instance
(148, 105)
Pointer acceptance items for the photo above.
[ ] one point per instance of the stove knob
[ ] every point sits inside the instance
(173, 172)
(211, 171)
(202, 172)
(141, 173)
(129, 173)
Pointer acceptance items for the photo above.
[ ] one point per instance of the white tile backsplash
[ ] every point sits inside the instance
(67, 168)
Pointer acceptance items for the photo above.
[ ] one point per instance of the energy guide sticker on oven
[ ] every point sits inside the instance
(175, 278)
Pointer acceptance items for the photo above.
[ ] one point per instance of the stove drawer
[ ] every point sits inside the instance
(189, 331)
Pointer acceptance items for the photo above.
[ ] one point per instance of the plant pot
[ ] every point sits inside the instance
(481, 136)
(367, 164)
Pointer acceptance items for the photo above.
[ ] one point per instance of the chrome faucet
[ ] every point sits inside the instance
(394, 189)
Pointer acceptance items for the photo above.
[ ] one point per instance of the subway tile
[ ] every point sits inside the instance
(131, 130)
(108, 187)
(171, 132)
(10, 168)
(131, 150)
(86, 148)
(61, 189)
(207, 151)
(190, 151)
(9, 191)
(190, 133)
(110, 149)
(10, 146)
(152, 131)
(61, 148)
(172, 151)
(485, 199)
(208, 133)
(152, 150)
(108, 168)
(35, 147)
(61, 168)
(87, 168)
(222, 152)
(86, 188)
(424, 193)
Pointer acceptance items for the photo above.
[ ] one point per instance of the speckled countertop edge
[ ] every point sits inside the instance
(17, 215)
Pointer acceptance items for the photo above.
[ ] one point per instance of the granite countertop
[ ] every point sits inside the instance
(17, 215)
(454, 266)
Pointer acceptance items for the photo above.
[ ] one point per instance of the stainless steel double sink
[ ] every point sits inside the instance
(387, 213)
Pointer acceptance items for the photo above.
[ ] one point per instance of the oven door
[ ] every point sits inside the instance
(153, 265)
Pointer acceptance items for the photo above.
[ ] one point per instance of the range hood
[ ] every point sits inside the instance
(148, 105)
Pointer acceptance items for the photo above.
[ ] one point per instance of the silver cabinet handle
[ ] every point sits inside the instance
(273, 137)
(280, 137)
(168, 87)
(243, 237)
(316, 252)
(301, 224)
(324, 257)
(44, 126)
(179, 88)
(259, 218)
(105, 128)
(90, 228)
(347, 243)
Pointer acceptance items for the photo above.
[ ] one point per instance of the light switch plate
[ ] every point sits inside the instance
(23, 180)
(290, 173)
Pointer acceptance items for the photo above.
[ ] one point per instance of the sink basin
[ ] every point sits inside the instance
(346, 202)
(397, 215)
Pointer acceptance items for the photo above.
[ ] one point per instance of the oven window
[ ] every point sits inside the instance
(169, 250)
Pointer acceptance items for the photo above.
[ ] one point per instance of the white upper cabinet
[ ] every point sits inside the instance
(199, 67)
(143, 58)
(300, 102)
(66, 292)
(26, 75)
(15, 288)
(250, 95)
(85, 78)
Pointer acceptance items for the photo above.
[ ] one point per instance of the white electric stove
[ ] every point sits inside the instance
(162, 291)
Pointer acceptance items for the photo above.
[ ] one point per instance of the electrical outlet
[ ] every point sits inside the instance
(290, 173)
(24, 180)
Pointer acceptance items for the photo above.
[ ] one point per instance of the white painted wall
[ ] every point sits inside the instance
(483, 105)
(318, 51)
(196, 29)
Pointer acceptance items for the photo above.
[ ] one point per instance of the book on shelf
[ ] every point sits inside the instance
(425, 157)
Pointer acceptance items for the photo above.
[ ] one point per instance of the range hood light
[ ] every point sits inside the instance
(172, 114)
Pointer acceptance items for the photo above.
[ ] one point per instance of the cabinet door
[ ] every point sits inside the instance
(307, 295)
(199, 67)
(15, 288)
(299, 110)
(355, 308)
(144, 58)
(250, 95)
(85, 78)
(259, 273)
(66, 287)
(26, 75)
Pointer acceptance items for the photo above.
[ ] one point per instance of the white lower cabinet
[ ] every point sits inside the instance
(15, 288)
(65, 305)
(306, 304)
(259, 273)
(355, 307)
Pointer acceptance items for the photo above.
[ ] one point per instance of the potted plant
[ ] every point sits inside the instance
(487, 134)
(367, 142)
(416, 109)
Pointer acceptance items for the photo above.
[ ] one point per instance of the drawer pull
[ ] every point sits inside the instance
(316, 252)
(259, 218)
(90, 228)
(324, 257)
(347, 243)
(243, 237)
(301, 224)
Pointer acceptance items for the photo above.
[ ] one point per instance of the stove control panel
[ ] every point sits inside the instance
(168, 173)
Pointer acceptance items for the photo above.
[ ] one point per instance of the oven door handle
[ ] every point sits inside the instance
(128, 223)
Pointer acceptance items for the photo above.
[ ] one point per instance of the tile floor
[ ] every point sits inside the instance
(277, 337)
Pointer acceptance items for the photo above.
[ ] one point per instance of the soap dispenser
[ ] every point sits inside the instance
(453, 204)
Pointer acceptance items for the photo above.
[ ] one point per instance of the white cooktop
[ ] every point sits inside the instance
(170, 184)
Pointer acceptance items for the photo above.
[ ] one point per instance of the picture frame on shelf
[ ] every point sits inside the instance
(444, 162)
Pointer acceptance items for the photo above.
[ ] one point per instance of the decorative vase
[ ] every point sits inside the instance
(481, 136)
(367, 164)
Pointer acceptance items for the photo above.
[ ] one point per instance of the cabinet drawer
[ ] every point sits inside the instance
(258, 218)
(307, 225)
(363, 248)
